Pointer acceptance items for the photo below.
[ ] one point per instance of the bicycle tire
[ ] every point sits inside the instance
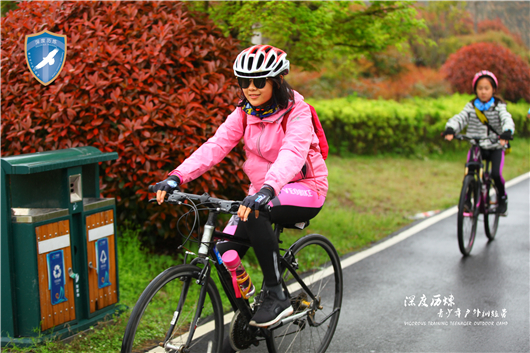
(468, 214)
(324, 279)
(491, 216)
(156, 307)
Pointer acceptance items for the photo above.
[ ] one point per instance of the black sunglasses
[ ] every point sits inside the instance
(258, 82)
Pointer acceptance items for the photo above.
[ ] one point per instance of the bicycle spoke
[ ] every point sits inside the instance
(155, 312)
(318, 269)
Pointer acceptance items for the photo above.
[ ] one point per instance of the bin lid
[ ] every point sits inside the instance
(50, 160)
(34, 215)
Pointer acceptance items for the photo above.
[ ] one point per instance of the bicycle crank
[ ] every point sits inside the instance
(241, 334)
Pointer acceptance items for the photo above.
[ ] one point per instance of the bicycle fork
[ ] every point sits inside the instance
(203, 279)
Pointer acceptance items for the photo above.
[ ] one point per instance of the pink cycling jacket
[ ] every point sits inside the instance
(274, 158)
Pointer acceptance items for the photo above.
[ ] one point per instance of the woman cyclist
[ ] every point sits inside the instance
(499, 123)
(285, 167)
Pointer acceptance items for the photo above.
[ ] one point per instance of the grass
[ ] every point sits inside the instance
(370, 197)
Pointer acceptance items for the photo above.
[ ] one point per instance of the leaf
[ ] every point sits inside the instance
(97, 122)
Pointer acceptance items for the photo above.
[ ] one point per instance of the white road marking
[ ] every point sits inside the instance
(358, 257)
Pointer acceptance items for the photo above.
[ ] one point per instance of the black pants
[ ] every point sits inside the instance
(497, 164)
(262, 238)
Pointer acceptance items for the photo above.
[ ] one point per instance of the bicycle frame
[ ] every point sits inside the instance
(475, 165)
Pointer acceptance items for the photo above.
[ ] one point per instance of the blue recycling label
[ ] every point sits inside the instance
(56, 276)
(45, 55)
(102, 259)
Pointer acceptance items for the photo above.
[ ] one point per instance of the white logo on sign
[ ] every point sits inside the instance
(48, 59)
(103, 257)
(57, 271)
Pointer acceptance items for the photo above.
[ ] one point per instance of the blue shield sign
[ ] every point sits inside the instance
(45, 54)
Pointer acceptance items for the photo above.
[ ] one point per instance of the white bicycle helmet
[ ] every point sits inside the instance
(261, 61)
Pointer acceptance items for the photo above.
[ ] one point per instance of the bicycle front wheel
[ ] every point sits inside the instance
(491, 216)
(166, 310)
(317, 263)
(468, 214)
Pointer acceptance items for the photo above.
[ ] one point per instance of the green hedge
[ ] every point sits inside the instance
(356, 125)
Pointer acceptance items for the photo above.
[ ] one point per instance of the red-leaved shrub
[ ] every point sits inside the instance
(512, 72)
(149, 80)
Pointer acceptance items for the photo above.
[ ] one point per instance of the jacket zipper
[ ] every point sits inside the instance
(259, 139)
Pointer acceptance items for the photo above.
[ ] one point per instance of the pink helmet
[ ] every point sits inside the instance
(261, 61)
(482, 74)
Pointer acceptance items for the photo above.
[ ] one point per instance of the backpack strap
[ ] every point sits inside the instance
(481, 116)
(484, 119)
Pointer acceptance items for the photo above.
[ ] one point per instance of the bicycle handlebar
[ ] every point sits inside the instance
(475, 139)
(226, 206)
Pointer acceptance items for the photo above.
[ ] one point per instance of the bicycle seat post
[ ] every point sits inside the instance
(278, 229)
(209, 228)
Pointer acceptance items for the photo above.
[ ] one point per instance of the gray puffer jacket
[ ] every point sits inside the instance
(498, 118)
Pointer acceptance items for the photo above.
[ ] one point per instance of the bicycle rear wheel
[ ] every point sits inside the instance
(317, 263)
(172, 298)
(468, 214)
(491, 217)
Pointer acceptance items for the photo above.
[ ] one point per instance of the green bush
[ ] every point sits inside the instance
(355, 125)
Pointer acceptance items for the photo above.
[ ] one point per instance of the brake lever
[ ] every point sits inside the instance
(175, 198)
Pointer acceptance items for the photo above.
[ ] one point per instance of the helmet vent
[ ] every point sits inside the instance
(249, 65)
(271, 61)
(278, 66)
(268, 49)
(261, 58)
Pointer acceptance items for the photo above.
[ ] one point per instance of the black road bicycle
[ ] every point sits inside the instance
(479, 195)
(181, 309)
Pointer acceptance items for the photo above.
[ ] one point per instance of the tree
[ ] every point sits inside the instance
(314, 31)
(444, 19)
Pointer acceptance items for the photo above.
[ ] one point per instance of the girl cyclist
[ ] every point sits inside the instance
(285, 167)
(497, 122)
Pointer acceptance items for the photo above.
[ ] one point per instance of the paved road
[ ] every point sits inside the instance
(494, 280)
(489, 289)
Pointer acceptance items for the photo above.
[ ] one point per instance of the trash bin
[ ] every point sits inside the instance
(58, 245)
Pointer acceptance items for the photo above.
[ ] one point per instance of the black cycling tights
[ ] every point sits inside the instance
(497, 164)
(261, 235)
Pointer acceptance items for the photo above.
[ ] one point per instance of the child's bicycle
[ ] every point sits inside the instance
(479, 195)
(181, 309)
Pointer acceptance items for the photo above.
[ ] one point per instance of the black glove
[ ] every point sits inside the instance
(169, 185)
(260, 199)
(506, 135)
(448, 131)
